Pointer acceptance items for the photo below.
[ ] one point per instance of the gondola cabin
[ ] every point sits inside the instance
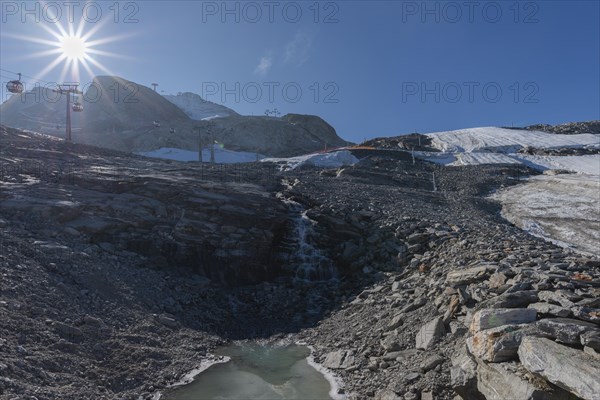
(15, 86)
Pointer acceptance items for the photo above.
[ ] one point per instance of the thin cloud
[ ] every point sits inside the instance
(298, 50)
(264, 65)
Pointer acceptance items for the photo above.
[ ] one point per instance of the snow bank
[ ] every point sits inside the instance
(561, 208)
(222, 155)
(507, 140)
(483, 158)
(334, 159)
(437, 158)
(589, 164)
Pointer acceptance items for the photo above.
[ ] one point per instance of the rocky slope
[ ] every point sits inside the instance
(572, 128)
(119, 114)
(457, 290)
(120, 274)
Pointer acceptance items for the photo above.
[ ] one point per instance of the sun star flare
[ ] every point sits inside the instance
(73, 47)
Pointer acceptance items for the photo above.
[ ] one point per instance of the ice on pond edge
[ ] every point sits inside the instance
(189, 377)
(335, 382)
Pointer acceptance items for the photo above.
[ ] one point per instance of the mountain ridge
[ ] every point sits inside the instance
(119, 114)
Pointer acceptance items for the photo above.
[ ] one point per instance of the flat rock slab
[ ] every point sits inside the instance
(469, 275)
(511, 300)
(568, 368)
(566, 330)
(340, 359)
(495, 317)
(551, 309)
(400, 355)
(499, 382)
(429, 333)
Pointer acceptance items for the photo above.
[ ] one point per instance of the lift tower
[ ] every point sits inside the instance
(68, 89)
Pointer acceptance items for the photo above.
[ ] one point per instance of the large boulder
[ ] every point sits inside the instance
(495, 317)
(500, 343)
(499, 382)
(568, 368)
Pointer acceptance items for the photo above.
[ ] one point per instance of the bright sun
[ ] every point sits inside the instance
(73, 47)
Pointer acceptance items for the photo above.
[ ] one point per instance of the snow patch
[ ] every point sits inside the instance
(507, 140)
(222, 155)
(562, 209)
(587, 164)
(334, 159)
(197, 108)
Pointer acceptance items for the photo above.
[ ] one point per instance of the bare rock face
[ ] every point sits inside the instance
(429, 333)
(568, 368)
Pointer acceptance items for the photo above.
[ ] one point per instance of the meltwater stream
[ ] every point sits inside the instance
(257, 371)
(305, 259)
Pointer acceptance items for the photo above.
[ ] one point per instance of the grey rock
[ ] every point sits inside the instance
(400, 355)
(551, 309)
(466, 276)
(386, 394)
(463, 376)
(561, 297)
(411, 377)
(498, 382)
(591, 352)
(587, 314)
(68, 332)
(511, 300)
(429, 333)
(591, 339)
(391, 343)
(495, 317)
(426, 395)
(167, 321)
(395, 322)
(501, 343)
(566, 330)
(418, 303)
(497, 280)
(339, 359)
(431, 362)
(417, 238)
(568, 368)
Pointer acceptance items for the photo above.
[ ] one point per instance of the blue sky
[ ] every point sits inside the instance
(376, 68)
